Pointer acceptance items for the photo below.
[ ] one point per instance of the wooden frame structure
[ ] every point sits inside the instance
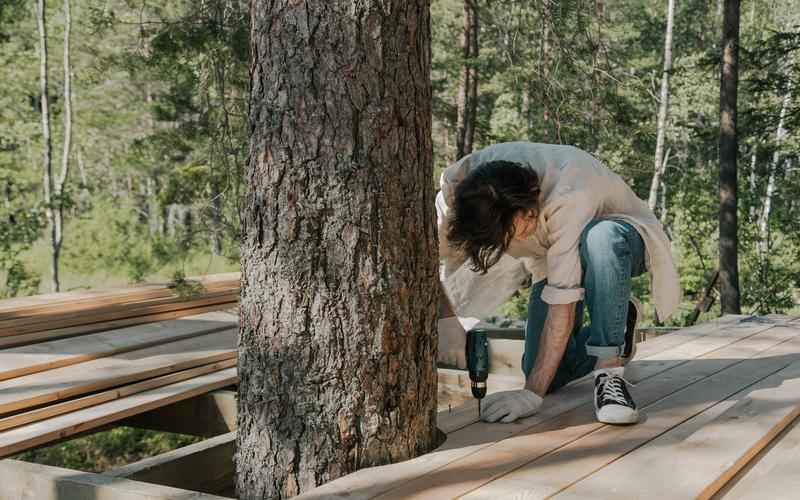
(721, 399)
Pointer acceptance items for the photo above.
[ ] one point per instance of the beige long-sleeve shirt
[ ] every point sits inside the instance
(575, 188)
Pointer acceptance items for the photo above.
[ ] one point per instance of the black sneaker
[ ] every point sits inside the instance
(613, 403)
(634, 313)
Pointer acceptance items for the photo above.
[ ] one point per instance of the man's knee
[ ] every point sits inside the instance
(603, 239)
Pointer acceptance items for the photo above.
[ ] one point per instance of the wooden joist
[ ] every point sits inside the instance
(32, 435)
(207, 415)
(54, 385)
(27, 481)
(179, 468)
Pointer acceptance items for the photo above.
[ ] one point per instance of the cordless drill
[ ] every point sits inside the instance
(478, 362)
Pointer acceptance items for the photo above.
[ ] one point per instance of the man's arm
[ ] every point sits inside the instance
(557, 329)
(452, 337)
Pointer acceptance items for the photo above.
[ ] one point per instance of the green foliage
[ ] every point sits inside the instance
(105, 450)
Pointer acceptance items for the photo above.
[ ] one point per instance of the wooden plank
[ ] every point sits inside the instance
(698, 339)
(466, 438)
(103, 302)
(61, 383)
(519, 459)
(554, 457)
(50, 411)
(28, 324)
(85, 318)
(206, 466)
(773, 474)
(707, 450)
(206, 415)
(38, 433)
(28, 481)
(73, 331)
(20, 361)
(46, 302)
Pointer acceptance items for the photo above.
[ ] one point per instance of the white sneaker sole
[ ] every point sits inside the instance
(617, 415)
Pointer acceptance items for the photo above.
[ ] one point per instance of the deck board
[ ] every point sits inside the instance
(543, 450)
(422, 476)
(774, 475)
(578, 459)
(705, 451)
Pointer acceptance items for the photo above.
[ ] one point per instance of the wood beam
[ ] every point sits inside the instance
(206, 466)
(206, 415)
(24, 481)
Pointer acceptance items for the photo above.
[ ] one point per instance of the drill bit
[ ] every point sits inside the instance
(479, 409)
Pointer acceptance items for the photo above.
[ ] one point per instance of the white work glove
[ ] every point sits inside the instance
(507, 406)
(452, 343)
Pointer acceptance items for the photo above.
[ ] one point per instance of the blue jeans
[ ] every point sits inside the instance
(612, 252)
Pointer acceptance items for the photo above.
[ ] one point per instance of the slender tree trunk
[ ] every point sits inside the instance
(472, 102)
(663, 108)
(58, 209)
(47, 161)
(339, 264)
(780, 134)
(545, 69)
(753, 158)
(466, 100)
(728, 148)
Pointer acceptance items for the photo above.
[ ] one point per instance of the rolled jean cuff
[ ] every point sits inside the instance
(554, 295)
(605, 351)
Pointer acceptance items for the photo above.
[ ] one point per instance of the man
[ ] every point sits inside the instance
(558, 215)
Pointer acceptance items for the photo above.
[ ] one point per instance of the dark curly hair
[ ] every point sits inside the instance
(486, 202)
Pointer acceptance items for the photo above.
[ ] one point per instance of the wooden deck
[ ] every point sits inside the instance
(720, 401)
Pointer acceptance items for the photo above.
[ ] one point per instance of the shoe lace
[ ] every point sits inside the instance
(613, 390)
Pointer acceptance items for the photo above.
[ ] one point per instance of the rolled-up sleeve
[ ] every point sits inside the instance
(566, 215)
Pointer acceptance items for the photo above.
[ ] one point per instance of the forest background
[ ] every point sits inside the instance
(158, 133)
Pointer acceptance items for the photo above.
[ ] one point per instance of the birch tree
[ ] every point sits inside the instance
(663, 109)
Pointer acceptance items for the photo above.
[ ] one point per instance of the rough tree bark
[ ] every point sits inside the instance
(728, 146)
(663, 109)
(338, 311)
(467, 98)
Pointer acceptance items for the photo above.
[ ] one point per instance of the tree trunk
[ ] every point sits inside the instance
(545, 72)
(763, 221)
(728, 145)
(47, 161)
(337, 342)
(753, 158)
(663, 108)
(472, 103)
(58, 209)
(467, 98)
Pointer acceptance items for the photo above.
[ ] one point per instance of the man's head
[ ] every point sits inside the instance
(495, 203)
